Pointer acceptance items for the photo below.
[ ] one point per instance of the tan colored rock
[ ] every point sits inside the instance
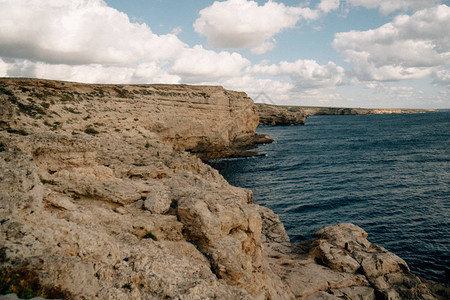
(279, 115)
(271, 115)
(158, 202)
(344, 247)
(98, 201)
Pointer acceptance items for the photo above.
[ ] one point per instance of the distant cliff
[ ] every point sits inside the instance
(311, 111)
(98, 200)
(270, 115)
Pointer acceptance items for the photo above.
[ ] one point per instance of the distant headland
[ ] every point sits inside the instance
(270, 114)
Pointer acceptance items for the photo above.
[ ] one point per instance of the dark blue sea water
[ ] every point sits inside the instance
(389, 174)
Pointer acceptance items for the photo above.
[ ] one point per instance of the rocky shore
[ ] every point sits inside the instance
(270, 115)
(101, 199)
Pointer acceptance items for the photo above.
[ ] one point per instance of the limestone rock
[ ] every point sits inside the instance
(98, 200)
(279, 115)
(270, 115)
(344, 247)
(158, 202)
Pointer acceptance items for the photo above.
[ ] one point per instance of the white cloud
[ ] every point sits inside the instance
(78, 32)
(389, 6)
(198, 64)
(442, 77)
(305, 74)
(93, 73)
(260, 89)
(409, 47)
(3, 68)
(85, 40)
(245, 24)
(328, 5)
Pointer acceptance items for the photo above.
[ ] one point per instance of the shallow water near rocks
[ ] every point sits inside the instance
(389, 174)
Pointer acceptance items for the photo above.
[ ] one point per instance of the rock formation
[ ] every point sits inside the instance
(99, 200)
(270, 115)
(312, 111)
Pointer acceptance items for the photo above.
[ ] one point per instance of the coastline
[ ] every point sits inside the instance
(271, 115)
(100, 199)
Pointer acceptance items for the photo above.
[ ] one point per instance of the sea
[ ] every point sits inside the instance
(389, 174)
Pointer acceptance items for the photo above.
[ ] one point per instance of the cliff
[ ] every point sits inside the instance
(179, 114)
(311, 111)
(98, 200)
(270, 115)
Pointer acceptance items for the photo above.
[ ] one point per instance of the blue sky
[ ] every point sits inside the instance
(352, 53)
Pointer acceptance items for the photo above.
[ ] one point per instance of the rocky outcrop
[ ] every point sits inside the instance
(312, 111)
(206, 120)
(97, 202)
(270, 115)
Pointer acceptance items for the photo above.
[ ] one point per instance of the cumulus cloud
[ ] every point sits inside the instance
(245, 24)
(92, 73)
(197, 64)
(85, 40)
(389, 6)
(305, 74)
(3, 68)
(78, 32)
(440, 77)
(328, 5)
(261, 89)
(409, 47)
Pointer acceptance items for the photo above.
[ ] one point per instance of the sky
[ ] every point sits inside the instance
(345, 53)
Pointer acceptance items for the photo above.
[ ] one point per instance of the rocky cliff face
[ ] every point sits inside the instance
(98, 200)
(270, 115)
(312, 111)
(207, 120)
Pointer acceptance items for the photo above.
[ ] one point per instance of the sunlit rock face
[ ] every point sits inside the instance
(99, 200)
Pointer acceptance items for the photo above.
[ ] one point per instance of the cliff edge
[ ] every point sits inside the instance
(100, 200)
(270, 115)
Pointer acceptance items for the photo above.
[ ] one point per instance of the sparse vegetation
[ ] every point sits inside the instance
(147, 145)
(101, 93)
(150, 235)
(71, 110)
(6, 92)
(26, 284)
(91, 130)
(123, 93)
(28, 109)
(127, 286)
(17, 131)
(67, 97)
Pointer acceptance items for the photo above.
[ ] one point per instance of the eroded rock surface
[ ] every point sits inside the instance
(97, 202)
(271, 115)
